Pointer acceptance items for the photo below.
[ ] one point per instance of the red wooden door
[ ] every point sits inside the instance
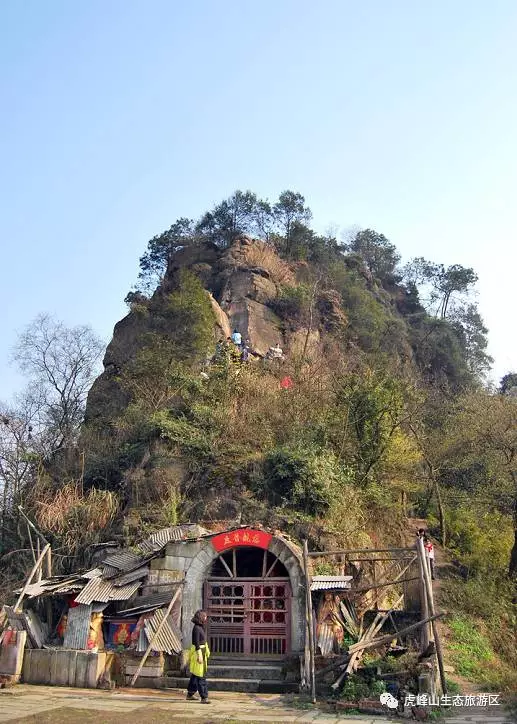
(248, 616)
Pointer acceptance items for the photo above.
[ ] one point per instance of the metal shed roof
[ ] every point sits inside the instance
(329, 583)
(147, 603)
(168, 638)
(103, 591)
(124, 560)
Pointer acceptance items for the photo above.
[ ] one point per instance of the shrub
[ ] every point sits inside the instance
(293, 303)
(308, 480)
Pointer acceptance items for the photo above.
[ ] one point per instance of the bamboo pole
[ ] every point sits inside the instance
(308, 609)
(153, 637)
(31, 576)
(34, 556)
(430, 603)
(29, 522)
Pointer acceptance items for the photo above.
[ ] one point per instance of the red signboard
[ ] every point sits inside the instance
(241, 537)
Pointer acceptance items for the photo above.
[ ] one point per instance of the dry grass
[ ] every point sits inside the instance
(264, 256)
(72, 516)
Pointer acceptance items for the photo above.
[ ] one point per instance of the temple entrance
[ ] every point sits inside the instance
(248, 601)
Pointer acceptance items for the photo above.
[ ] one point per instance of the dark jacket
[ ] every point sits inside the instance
(198, 636)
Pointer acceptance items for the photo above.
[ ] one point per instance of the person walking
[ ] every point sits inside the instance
(429, 549)
(198, 659)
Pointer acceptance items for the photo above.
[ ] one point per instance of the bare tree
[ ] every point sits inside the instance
(61, 363)
(18, 456)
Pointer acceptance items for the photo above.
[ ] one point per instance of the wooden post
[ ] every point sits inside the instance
(308, 610)
(430, 603)
(48, 600)
(424, 608)
(38, 551)
(35, 567)
(153, 637)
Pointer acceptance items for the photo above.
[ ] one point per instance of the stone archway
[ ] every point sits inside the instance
(210, 549)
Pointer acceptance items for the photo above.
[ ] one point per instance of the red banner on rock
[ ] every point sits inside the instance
(241, 537)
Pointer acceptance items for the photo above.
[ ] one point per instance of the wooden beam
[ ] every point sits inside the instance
(308, 609)
(424, 608)
(153, 637)
(385, 560)
(383, 585)
(35, 567)
(372, 630)
(226, 566)
(315, 554)
(31, 524)
(386, 639)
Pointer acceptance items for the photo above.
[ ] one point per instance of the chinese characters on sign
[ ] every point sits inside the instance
(241, 537)
(447, 700)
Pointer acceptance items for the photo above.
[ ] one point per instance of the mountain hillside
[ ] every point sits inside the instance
(355, 398)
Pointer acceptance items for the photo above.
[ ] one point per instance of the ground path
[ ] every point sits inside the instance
(46, 705)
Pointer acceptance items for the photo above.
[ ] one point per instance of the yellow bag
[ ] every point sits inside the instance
(195, 667)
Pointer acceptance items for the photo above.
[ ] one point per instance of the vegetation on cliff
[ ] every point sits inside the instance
(387, 412)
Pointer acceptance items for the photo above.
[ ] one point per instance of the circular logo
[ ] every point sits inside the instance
(388, 700)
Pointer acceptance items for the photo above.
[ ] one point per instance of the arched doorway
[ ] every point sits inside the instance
(248, 600)
(204, 563)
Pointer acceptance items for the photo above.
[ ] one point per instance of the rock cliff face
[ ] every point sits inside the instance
(241, 282)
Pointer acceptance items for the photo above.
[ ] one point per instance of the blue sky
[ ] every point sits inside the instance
(119, 116)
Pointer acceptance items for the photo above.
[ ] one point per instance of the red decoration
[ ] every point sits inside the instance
(286, 383)
(241, 537)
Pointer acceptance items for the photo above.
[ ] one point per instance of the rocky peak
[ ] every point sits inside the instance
(242, 283)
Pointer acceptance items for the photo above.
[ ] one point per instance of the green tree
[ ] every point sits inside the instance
(236, 215)
(485, 429)
(379, 254)
(445, 284)
(161, 249)
(508, 383)
(289, 209)
(469, 326)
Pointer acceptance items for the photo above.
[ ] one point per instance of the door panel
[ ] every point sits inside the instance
(249, 616)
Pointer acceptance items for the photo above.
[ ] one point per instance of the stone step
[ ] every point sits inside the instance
(245, 671)
(266, 686)
(246, 661)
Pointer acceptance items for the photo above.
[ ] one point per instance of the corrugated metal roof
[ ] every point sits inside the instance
(95, 590)
(324, 583)
(52, 585)
(147, 603)
(132, 576)
(169, 637)
(159, 540)
(109, 571)
(123, 593)
(124, 560)
(94, 573)
(70, 587)
(33, 589)
(77, 627)
(103, 591)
